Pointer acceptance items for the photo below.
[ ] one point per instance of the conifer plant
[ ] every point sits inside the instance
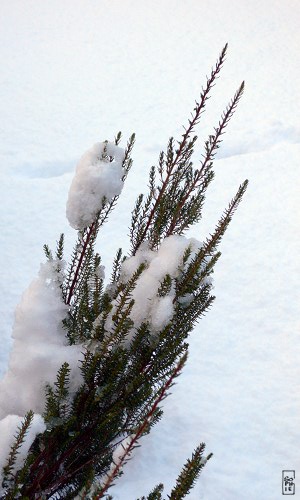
(111, 350)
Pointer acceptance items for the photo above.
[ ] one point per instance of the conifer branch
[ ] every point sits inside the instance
(127, 162)
(87, 239)
(198, 110)
(132, 351)
(15, 448)
(83, 249)
(141, 430)
(48, 252)
(189, 474)
(60, 247)
(211, 243)
(211, 146)
(88, 236)
(155, 494)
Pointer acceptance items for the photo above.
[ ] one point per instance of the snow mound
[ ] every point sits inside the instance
(39, 347)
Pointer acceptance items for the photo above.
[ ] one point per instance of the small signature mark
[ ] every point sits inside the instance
(288, 482)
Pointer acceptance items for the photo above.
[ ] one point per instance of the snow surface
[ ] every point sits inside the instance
(76, 72)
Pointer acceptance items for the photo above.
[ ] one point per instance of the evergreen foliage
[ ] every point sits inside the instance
(189, 473)
(127, 369)
(13, 455)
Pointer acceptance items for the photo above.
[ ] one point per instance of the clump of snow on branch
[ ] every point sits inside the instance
(148, 305)
(40, 347)
(98, 175)
(8, 429)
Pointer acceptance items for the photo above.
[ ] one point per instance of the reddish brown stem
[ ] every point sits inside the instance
(85, 245)
(41, 479)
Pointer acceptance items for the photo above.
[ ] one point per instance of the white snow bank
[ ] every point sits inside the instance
(8, 429)
(39, 347)
(148, 306)
(98, 174)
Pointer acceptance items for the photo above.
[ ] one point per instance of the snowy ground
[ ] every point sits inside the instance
(75, 72)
